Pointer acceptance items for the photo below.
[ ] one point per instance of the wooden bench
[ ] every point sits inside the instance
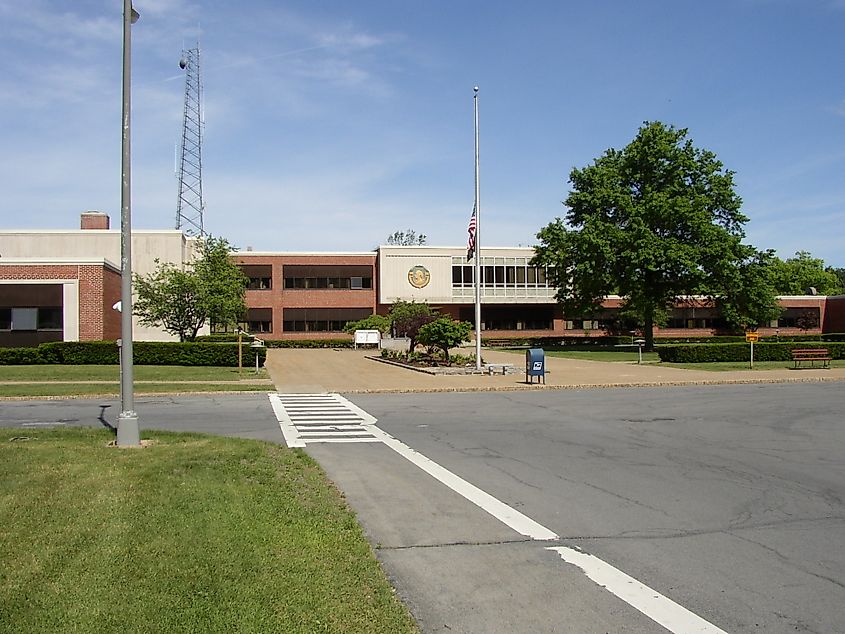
(811, 356)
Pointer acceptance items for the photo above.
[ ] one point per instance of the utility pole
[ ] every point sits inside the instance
(128, 431)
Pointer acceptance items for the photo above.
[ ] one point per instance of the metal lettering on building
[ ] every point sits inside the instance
(419, 277)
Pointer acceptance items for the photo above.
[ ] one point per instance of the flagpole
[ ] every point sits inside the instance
(477, 276)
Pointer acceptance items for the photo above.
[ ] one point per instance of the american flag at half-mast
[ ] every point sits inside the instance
(471, 232)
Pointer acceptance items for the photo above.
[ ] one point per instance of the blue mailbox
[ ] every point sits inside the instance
(535, 365)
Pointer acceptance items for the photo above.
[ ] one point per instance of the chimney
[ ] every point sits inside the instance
(93, 220)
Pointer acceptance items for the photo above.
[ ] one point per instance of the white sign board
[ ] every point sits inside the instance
(367, 337)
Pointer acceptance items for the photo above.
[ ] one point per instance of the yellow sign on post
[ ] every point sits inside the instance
(751, 336)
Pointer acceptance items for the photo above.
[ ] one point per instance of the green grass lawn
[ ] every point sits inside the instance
(191, 534)
(622, 355)
(653, 358)
(604, 355)
(70, 380)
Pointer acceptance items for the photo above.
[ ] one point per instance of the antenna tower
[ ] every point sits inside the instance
(190, 205)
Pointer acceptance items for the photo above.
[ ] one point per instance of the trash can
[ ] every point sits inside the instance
(535, 365)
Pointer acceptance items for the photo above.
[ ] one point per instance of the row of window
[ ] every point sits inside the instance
(41, 318)
(500, 276)
(354, 283)
(266, 283)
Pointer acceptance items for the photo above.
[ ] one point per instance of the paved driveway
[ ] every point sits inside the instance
(352, 371)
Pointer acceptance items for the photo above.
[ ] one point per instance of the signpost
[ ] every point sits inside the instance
(751, 337)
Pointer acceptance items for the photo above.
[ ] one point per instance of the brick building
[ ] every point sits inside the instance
(61, 285)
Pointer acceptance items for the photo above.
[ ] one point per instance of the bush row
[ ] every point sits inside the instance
(144, 353)
(555, 342)
(612, 340)
(285, 343)
(710, 353)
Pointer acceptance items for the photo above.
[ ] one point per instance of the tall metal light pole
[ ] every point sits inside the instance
(128, 431)
(477, 271)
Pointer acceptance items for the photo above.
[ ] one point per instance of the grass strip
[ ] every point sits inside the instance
(107, 389)
(192, 534)
(160, 373)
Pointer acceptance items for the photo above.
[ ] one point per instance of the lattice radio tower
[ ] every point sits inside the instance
(190, 205)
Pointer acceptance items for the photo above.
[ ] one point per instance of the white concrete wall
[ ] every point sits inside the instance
(147, 246)
(394, 264)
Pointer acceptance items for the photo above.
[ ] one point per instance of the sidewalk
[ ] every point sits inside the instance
(348, 371)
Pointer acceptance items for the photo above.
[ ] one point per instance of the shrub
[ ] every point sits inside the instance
(721, 352)
(81, 352)
(222, 337)
(310, 343)
(444, 333)
(144, 353)
(20, 356)
(373, 322)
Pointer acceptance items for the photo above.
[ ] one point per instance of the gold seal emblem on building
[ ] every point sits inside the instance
(419, 277)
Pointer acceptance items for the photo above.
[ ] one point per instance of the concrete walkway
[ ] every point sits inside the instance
(351, 371)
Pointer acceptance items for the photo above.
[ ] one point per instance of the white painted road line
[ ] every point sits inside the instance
(511, 517)
(292, 438)
(651, 603)
(654, 605)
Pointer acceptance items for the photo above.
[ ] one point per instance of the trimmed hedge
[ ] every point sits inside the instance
(311, 343)
(285, 343)
(765, 351)
(737, 339)
(555, 342)
(20, 356)
(144, 353)
(218, 338)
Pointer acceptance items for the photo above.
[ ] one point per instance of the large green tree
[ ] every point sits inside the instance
(652, 222)
(795, 276)
(209, 289)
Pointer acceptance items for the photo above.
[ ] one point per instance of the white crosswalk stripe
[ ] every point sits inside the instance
(311, 418)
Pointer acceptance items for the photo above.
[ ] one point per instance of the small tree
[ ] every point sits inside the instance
(373, 322)
(808, 320)
(210, 289)
(444, 333)
(170, 298)
(407, 318)
(409, 237)
(222, 283)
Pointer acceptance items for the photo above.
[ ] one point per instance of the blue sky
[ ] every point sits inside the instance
(329, 125)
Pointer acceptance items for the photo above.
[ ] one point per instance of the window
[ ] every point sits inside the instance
(49, 319)
(259, 326)
(324, 276)
(321, 319)
(259, 276)
(24, 319)
(259, 284)
(259, 320)
(42, 318)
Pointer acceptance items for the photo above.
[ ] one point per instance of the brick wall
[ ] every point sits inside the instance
(834, 317)
(97, 284)
(111, 294)
(277, 298)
